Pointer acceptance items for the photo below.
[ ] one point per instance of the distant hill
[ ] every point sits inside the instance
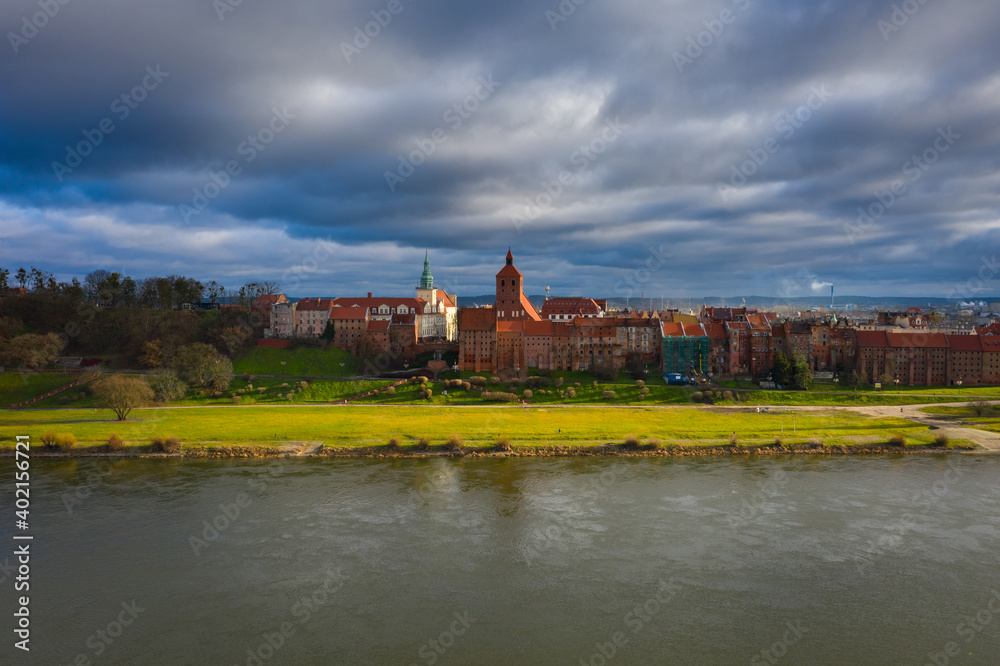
(763, 302)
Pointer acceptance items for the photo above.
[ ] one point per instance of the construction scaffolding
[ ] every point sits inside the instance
(687, 355)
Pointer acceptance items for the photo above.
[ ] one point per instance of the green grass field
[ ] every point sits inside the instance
(19, 386)
(354, 426)
(299, 362)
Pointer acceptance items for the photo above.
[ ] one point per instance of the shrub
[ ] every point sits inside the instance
(527, 395)
(697, 396)
(728, 395)
(249, 387)
(640, 383)
(896, 442)
(654, 444)
(391, 390)
(237, 399)
(815, 444)
(289, 396)
(393, 444)
(631, 442)
(423, 444)
(941, 441)
(65, 441)
(576, 383)
(734, 440)
(558, 382)
(49, 439)
(499, 396)
(778, 443)
(503, 444)
(453, 443)
(595, 383)
(494, 380)
(466, 386)
(63, 399)
(538, 381)
(261, 390)
(644, 391)
(608, 395)
(303, 385)
(478, 381)
(284, 385)
(165, 445)
(981, 408)
(421, 379)
(115, 443)
(571, 392)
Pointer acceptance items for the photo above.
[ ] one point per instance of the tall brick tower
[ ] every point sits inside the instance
(511, 303)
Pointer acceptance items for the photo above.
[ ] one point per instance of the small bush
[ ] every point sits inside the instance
(631, 442)
(527, 395)
(466, 386)
(558, 382)
(64, 441)
(814, 444)
(284, 385)
(165, 445)
(421, 379)
(503, 444)
(576, 383)
(941, 441)
(697, 396)
(499, 396)
(63, 399)
(393, 444)
(494, 380)
(391, 390)
(115, 443)
(289, 396)
(303, 385)
(778, 443)
(728, 395)
(237, 399)
(48, 439)
(608, 395)
(640, 383)
(423, 444)
(453, 443)
(478, 381)
(654, 444)
(896, 442)
(734, 440)
(571, 392)
(261, 390)
(644, 391)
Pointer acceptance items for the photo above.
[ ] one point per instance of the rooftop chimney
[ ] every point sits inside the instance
(369, 294)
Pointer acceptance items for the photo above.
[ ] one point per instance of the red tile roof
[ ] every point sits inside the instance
(538, 328)
(965, 342)
(314, 304)
(349, 313)
(444, 298)
(990, 342)
(873, 339)
(375, 302)
(378, 326)
(911, 340)
(265, 301)
(510, 326)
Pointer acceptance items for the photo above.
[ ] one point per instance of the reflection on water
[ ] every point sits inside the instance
(798, 560)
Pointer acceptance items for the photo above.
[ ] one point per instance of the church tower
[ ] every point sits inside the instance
(427, 280)
(511, 303)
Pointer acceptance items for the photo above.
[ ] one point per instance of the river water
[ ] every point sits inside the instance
(790, 560)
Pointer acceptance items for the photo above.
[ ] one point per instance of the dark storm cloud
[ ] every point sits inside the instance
(238, 137)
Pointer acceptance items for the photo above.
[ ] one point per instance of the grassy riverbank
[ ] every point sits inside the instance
(523, 426)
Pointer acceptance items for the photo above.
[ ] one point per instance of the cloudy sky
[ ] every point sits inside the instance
(666, 147)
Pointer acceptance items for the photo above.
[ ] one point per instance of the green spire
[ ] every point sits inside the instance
(427, 280)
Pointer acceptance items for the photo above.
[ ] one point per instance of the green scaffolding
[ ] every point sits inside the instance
(683, 354)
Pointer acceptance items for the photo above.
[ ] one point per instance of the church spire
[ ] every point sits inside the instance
(426, 279)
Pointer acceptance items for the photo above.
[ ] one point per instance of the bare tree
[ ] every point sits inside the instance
(121, 394)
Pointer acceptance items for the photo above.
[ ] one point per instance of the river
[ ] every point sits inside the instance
(790, 560)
